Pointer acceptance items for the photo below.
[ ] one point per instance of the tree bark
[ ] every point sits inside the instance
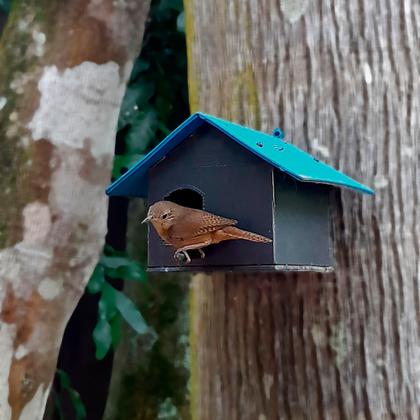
(342, 79)
(63, 70)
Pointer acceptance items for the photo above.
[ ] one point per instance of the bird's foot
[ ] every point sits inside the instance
(182, 257)
(202, 254)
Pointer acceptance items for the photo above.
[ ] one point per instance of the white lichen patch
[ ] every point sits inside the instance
(293, 9)
(35, 407)
(90, 212)
(380, 181)
(13, 117)
(320, 149)
(23, 25)
(407, 151)
(49, 289)
(268, 383)
(12, 130)
(25, 141)
(338, 342)
(21, 351)
(36, 223)
(3, 102)
(367, 73)
(19, 82)
(22, 266)
(79, 104)
(39, 39)
(318, 336)
(25, 22)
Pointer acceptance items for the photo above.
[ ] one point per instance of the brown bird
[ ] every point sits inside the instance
(186, 229)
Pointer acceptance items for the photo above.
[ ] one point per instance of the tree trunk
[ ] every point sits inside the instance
(63, 70)
(342, 79)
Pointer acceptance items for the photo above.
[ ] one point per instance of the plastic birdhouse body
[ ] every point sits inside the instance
(271, 187)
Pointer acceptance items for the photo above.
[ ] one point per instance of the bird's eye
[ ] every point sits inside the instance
(165, 216)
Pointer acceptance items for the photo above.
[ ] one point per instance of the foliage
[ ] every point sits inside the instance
(77, 403)
(155, 386)
(155, 102)
(113, 304)
(5, 6)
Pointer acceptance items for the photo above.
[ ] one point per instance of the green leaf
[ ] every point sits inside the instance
(124, 162)
(116, 330)
(133, 271)
(171, 5)
(180, 22)
(107, 307)
(114, 261)
(59, 407)
(140, 65)
(122, 267)
(96, 280)
(167, 411)
(79, 407)
(162, 127)
(5, 6)
(136, 97)
(64, 379)
(141, 132)
(112, 252)
(102, 338)
(130, 313)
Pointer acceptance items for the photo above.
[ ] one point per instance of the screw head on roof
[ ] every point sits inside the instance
(278, 133)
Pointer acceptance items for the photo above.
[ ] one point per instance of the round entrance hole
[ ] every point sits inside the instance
(186, 197)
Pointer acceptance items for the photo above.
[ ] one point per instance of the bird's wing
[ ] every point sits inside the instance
(198, 222)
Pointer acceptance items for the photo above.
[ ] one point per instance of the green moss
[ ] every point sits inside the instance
(250, 87)
(244, 89)
(19, 69)
(193, 83)
(3, 229)
(12, 157)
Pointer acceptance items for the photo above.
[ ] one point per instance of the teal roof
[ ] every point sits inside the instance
(278, 153)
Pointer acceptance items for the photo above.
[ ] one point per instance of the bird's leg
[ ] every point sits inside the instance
(178, 255)
(197, 246)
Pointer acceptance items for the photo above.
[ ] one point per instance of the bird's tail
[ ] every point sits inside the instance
(236, 233)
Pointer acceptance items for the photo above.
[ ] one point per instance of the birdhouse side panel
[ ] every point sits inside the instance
(301, 223)
(232, 183)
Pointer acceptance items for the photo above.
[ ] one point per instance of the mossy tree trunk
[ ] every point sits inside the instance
(342, 79)
(63, 70)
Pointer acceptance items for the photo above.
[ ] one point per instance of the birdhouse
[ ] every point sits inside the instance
(269, 186)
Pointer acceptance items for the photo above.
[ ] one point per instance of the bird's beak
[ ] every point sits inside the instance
(147, 219)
